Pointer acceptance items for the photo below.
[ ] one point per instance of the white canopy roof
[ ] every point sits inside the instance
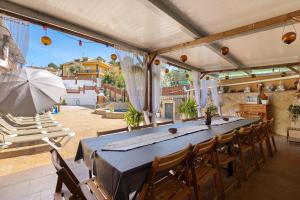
(154, 24)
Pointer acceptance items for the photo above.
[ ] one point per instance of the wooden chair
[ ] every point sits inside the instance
(271, 135)
(192, 119)
(99, 133)
(258, 136)
(244, 145)
(86, 190)
(226, 158)
(203, 169)
(166, 186)
(165, 123)
(140, 127)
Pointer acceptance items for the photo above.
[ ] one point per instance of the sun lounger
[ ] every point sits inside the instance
(9, 126)
(45, 116)
(56, 139)
(17, 122)
(32, 131)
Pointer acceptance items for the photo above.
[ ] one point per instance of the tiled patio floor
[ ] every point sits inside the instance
(279, 179)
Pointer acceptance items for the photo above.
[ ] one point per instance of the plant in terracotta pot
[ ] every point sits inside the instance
(294, 111)
(189, 109)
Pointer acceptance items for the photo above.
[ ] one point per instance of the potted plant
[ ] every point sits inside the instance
(133, 117)
(294, 111)
(188, 109)
(210, 111)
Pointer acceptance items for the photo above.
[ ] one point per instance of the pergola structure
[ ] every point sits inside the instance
(252, 30)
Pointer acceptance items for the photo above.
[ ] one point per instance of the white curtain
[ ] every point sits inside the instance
(156, 90)
(215, 94)
(196, 79)
(134, 70)
(204, 90)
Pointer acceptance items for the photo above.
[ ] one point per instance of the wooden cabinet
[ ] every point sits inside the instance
(266, 109)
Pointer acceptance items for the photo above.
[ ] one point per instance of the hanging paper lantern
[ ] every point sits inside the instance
(183, 58)
(80, 43)
(157, 62)
(46, 40)
(224, 50)
(113, 57)
(289, 37)
(166, 70)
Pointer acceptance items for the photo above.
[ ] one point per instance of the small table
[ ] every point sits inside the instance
(291, 139)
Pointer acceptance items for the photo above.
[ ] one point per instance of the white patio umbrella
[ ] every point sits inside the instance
(28, 91)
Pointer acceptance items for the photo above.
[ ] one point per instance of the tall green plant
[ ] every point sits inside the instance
(189, 108)
(133, 117)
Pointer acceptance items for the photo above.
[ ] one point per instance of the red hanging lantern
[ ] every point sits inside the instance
(80, 43)
(183, 58)
(157, 62)
(224, 50)
(113, 57)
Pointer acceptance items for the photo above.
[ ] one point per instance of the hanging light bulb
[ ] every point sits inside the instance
(80, 43)
(45, 40)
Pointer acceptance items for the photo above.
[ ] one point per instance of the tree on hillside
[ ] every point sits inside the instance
(109, 77)
(52, 65)
(74, 69)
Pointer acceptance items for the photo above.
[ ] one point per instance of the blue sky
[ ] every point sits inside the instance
(63, 48)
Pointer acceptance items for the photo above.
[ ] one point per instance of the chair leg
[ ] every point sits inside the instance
(274, 144)
(262, 151)
(58, 185)
(269, 147)
(236, 173)
(243, 165)
(90, 174)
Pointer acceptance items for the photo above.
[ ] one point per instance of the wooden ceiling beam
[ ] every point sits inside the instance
(195, 32)
(287, 65)
(293, 70)
(247, 29)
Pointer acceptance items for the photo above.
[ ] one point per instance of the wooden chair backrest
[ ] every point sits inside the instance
(165, 123)
(202, 148)
(244, 131)
(99, 133)
(66, 175)
(141, 127)
(192, 119)
(225, 138)
(168, 162)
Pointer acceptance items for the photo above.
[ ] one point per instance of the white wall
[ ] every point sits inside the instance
(70, 84)
(89, 98)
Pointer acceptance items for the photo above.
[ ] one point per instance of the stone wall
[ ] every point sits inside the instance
(280, 101)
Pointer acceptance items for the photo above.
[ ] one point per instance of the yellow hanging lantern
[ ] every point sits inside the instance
(289, 37)
(157, 62)
(113, 57)
(45, 40)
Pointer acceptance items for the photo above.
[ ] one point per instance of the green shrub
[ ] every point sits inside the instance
(133, 117)
(189, 108)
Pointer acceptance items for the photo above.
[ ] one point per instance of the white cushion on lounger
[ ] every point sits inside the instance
(44, 132)
(39, 127)
(66, 129)
(13, 135)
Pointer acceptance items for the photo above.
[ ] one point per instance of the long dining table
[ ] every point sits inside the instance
(123, 172)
